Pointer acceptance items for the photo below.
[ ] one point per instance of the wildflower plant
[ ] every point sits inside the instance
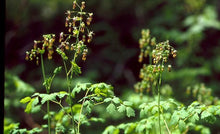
(151, 74)
(160, 114)
(74, 42)
(71, 45)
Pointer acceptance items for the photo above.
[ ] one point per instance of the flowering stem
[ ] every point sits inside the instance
(68, 86)
(48, 91)
(159, 84)
(159, 102)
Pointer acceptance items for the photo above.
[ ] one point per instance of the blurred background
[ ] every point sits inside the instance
(192, 26)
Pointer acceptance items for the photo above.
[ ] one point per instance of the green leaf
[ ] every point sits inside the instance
(140, 128)
(35, 130)
(29, 106)
(36, 109)
(79, 87)
(218, 112)
(110, 130)
(205, 114)
(127, 103)
(44, 126)
(97, 119)
(122, 126)
(62, 94)
(35, 102)
(142, 113)
(111, 108)
(142, 105)
(183, 113)
(182, 125)
(154, 110)
(205, 131)
(116, 100)
(107, 99)
(121, 108)
(25, 100)
(35, 94)
(48, 97)
(194, 118)
(59, 128)
(130, 112)
(130, 129)
(174, 118)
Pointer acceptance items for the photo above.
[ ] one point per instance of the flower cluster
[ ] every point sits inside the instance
(162, 52)
(146, 44)
(77, 22)
(159, 54)
(40, 46)
(149, 75)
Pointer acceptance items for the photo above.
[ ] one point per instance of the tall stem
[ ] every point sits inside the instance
(69, 86)
(159, 101)
(79, 122)
(48, 91)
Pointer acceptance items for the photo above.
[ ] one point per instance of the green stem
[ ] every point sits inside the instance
(68, 86)
(168, 130)
(81, 112)
(48, 91)
(159, 101)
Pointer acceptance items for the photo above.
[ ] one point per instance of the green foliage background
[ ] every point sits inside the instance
(192, 26)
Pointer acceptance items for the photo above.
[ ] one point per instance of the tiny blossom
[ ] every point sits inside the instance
(83, 5)
(74, 4)
(90, 35)
(61, 37)
(68, 14)
(66, 22)
(74, 21)
(82, 27)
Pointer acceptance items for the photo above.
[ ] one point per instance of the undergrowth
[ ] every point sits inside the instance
(152, 106)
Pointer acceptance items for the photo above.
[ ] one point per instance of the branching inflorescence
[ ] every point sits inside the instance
(158, 54)
(77, 23)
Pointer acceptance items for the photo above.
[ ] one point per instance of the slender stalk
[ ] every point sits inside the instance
(159, 101)
(48, 91)
(59, 103)
(150, 58)
(68, 86)
(168, 130)
(81, 112)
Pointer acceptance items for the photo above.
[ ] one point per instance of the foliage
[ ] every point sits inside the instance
(73, 104)
(176, 118)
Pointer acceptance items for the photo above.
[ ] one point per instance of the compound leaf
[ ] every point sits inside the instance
(121, 108)
(48, 97)
(127, 103)
(130, 112)
(111, 108)
(182, 125)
